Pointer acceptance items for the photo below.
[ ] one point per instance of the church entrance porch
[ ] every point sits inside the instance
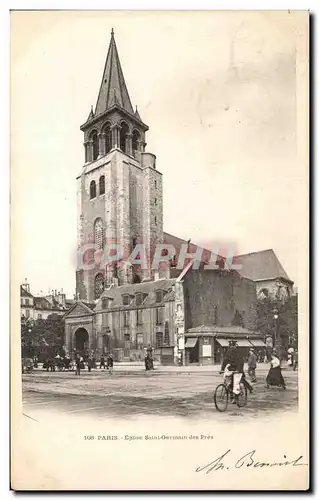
(81, 342)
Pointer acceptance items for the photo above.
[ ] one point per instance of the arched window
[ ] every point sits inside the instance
(92, 190)
(135, 141)
(102, 184)
(123, 134)
(98, 233)
(95, 146)
(98, 286)
(107, 138)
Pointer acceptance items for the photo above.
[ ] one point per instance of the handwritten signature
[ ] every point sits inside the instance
(225, 462)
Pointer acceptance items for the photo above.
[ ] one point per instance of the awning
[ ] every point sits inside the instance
(191, 342)
(243, 343)
(257, 343)
(223, 342)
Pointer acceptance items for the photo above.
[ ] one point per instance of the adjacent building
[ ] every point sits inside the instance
(35, 308)
(265, 269)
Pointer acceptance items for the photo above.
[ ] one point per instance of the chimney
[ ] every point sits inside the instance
(26, 285)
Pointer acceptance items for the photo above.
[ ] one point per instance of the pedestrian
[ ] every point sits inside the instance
(149, 351)
(78, 365)
(110, 363)
(295, 361)
(252, 365)
(147, 362)
(102, 362)
(89, 364)
(274, 377)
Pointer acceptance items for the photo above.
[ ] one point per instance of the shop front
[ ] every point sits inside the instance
(207, 345)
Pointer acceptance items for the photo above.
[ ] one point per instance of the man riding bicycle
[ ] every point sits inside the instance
(233, 369)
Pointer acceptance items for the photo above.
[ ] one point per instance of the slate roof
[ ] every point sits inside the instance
(113, 88)
(42, 303)
(170, 239)
(259, 266)
(214, 329)
(148, 288)
(25, 293)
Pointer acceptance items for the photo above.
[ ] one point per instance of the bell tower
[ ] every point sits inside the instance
(119, 190)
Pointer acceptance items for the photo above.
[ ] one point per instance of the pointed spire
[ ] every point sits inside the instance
(91, 115)
(137, 115)
(113, 88)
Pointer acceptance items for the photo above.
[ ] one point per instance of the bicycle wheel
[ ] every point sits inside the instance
(221, 397)
(242, 397)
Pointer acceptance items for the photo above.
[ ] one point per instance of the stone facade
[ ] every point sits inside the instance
(219, 297)
(125, 320)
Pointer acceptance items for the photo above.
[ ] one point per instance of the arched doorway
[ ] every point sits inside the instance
(81, 343)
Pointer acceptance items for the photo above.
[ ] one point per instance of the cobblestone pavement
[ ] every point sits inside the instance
(132, 393)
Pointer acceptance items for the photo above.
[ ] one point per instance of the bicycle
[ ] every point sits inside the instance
(222, 395)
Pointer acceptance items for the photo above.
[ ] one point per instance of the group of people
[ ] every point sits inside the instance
(233, 369)
(105, 363)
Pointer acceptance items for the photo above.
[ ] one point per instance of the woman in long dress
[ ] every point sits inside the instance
(274, 377)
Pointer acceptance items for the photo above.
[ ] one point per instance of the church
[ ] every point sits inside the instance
(123, 306)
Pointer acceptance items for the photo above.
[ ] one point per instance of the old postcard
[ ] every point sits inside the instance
(159, 250)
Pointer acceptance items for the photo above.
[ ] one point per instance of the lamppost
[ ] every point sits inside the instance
(277, 340)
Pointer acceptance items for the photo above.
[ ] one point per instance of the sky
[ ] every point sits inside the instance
(221, 96)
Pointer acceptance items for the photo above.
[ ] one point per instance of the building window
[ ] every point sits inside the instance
(26, 302)
(108, 138)
(92, 190)
(138, 317)
(104, 303)
(135, 141)
(126, 318)
(155, 220)
(159, 339)
(27, 313)
(98, 233)
(139, 340)
(98, 285)
(155, 184)
(102, 184)
(95, 145)
(123, 136)
(126, 337)
(159, 296)
(166, 334)
(126, 300)
(139, 299)
(155, 201)
(159, 315)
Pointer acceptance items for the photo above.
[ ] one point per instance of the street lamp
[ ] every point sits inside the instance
(276, 328)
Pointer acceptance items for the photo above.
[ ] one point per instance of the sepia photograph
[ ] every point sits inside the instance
(159, 250)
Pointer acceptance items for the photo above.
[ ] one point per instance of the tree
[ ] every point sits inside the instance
(287, 321)
(42, 338)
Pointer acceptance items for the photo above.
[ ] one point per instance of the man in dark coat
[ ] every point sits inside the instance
(252, 365)
(78, 365)
(102, 362)
(235, 360)
(110, 363)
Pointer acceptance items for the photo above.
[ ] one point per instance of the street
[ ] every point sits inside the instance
(167, 391)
